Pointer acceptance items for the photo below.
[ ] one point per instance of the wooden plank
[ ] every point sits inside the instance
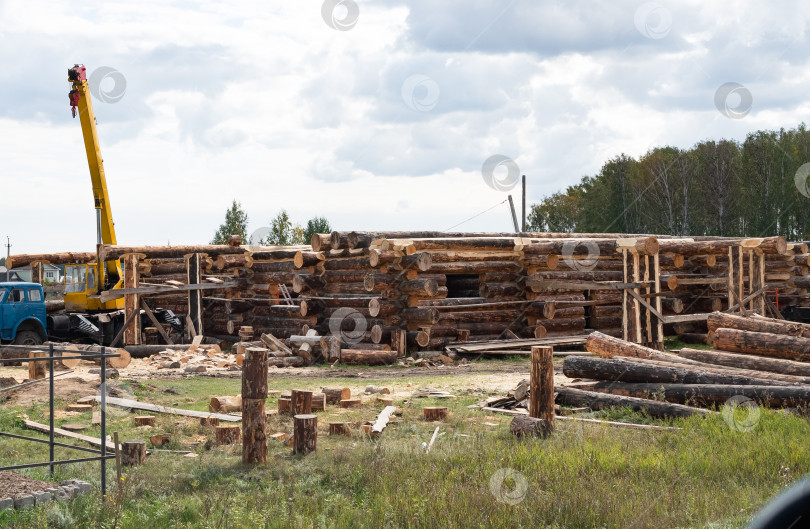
(44, 428)
(620, 424)
(274, 343)
(382, 419)
(516, 411)
(145, 406)
(156, 323)
(109, 295)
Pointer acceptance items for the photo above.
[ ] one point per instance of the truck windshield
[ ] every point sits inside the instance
(3, 295)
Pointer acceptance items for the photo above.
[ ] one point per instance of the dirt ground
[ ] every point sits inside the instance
(485, 377)
(13, 484)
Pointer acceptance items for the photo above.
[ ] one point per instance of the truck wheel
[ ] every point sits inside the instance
(27, 338)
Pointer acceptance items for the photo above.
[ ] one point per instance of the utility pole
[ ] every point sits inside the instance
(523, 224)
(8, 254)
(514, 215)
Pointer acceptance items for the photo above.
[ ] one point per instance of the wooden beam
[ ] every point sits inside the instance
(145, 406)
(109, 295)
(156, 323)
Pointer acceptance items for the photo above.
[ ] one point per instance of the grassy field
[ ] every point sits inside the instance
(478, 475)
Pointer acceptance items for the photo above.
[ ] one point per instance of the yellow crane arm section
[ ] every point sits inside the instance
(80, 100)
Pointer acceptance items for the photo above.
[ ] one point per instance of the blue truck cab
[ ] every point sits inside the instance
(22, 313)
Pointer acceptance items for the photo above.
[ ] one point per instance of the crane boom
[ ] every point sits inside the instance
(80, 99)
(89, 280)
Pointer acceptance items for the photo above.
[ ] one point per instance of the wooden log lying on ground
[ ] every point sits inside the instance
(600, 401)
(710, 394)
(718, 320)
(523, 425)
(725, 358)
(610, 347)
(335, 395)
(369, 358)
(622, 370)
(760, 343)
(225, 404)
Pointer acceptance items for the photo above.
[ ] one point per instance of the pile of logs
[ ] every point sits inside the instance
(756, 358)
(371, 297)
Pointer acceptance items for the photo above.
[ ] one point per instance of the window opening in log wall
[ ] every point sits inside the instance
(463, 285)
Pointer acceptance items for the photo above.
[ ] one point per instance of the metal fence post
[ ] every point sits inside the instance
(103, 424)
(50, 441)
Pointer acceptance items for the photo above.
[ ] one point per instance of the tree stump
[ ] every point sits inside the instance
(81, 408)
(254, 431)
(209, 421)
(36, 370)
(133, 453)
(228, 434)
(435, 413)
(318, 402)
(225, 404)
(335, 395)
(350, 403)
(145, 420)
(284, 405)
(523, 425)
(305, 433)
(338, 428)
(385, 401)
(301, 402)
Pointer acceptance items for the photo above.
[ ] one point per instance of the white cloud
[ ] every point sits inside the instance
(265, 103)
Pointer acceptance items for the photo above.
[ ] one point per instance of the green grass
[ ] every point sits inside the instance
(705, 475)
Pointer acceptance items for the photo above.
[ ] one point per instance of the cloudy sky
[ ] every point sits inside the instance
(375, 114)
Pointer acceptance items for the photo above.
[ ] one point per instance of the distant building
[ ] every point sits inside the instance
(10, 275)
(51, 273)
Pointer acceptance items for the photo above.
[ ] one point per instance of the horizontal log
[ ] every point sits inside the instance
(367, 357)
(710, 394)
(765, 344)
(621, 370)
(600, 401)
(725, 358)
(717, 320)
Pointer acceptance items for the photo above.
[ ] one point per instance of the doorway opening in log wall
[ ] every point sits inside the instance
(463, 285)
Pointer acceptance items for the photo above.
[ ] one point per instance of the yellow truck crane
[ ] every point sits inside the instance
(84, 282)
(86, 317)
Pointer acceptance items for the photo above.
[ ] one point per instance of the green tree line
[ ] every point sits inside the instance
(280, 230)
(723, 188)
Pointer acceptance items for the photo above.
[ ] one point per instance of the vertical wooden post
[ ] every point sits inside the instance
(38, 272)
(132, 302)
(658, 306)
(756, 273)
(399, 342)
(194, 277)
(36, 370)
(305, 433)
(254, 394)
(625, 295)
(541, 385)
(740, 280)
(732, 290)
(300, 402)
